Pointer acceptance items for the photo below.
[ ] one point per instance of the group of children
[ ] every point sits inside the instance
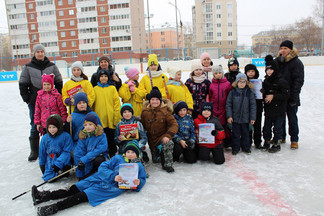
(170, 113)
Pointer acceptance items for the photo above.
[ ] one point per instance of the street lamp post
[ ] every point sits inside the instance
(149, 26)
(177, 10)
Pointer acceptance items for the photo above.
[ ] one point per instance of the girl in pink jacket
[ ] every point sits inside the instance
(48, 102)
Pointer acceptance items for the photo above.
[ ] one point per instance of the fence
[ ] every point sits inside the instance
(167, 54)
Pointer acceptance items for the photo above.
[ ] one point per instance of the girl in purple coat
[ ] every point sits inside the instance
(198, 85)
(48, 102)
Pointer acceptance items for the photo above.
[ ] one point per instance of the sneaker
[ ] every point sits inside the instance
(168, 169)
(274, 148)
(47, 210)
(266, 145)
(294, 145)
(235, 152)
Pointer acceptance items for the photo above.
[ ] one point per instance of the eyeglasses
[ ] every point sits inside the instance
(242, 81)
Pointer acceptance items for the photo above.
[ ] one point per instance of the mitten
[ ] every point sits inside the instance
(191, 144)
(56, 169)
(131, 86)
(67, 101)
(251, 128)
(42, 168)
(230, 126)
(214, 132)
(81, 166)
(160, 148)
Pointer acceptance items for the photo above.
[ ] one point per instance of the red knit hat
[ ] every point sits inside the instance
(48, 79)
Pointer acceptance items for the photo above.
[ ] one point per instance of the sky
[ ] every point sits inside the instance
(253, 15)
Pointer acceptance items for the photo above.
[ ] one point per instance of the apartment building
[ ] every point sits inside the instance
(74, 30)
(215, 26)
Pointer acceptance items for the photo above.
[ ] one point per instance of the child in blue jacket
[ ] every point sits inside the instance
(96, 189)
(91, 149)
(127, 112)
(55, 148)
(184, 140)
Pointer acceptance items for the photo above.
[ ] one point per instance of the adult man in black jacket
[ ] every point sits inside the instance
(292, 70)
(30, 82)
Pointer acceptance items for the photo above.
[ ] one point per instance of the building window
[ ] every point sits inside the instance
(219, 34)
(30, 6)
(102, 9)
(72, 33)
(105, 51)
(32, 16)
(71, 12)
(230, 34)
(163, 46)
(230, 24)
(218, 15)
(162, 33)
(63, 44)
(104, 40)
(229, 6)
(33, 37)
(61, 13)
(104, 30)
(73, 43)
(70, 2)
(162, 39)
(64, 54)
(59, 2)
(62, 34)
(229, 15)
(32, 27)
(62, 24)
(219, 25)
(218, 6)
(103, 19)
(75, 53)
(72, 22)
(230, 42)
(219, 43)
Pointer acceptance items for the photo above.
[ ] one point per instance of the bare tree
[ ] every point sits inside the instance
(309, 34)
(318, 10)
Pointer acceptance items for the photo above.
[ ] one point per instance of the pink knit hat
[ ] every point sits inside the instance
(49, 79)
(203, 56)
(131, 72)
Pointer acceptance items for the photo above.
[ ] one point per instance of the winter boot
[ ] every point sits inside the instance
(266, 146)
(274, 148)
(166, 168)
(47, 210)
(34, 145)
(145, 157)
(294, 145)
(40, 196)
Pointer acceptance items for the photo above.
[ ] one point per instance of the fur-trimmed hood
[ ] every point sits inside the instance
(293, 53)
(99, 131)
(249, 84)
(165, 103)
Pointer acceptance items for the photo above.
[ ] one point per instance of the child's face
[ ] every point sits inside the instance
(206, 113)
(76, 71)
(183, 112)
(233, 67)
(130, 154)
(104, 64)
(250, 74)
(153, 67)
(206, 62)
(198, 72)
(136, 77)
(89, 127)
(103, 79)
(218, 75)
(155, 102)
(241, 83)
(269, 71)
(127, 114)
(82, 106)
(47, 86)
(178, 76)
(52, 129)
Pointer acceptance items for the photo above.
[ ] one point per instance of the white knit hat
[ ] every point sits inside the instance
(77, 64)
(172, 71)
(196, 65)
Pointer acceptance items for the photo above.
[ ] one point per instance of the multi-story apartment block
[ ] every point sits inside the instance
(77, 29)
(215, 26)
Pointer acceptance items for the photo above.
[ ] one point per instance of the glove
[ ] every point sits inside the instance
(42, 168)
(251, 128)
(81, 166)
(214, 132)
(131, 85)
(191, 144)
(230, 126)
(67, 101)
(56, 169)
(160, 148)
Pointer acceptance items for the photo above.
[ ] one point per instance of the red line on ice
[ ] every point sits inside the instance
(263, 192)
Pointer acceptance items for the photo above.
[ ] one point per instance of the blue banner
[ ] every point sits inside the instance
(259, 62)
(8, 76)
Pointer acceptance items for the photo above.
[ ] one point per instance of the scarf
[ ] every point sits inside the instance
(109, 83)
(131, 160)
(92, 133)
(173, 82)
(154, 73)
(76, 79)
(199, 79)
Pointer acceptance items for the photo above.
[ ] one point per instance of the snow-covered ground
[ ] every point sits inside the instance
(285, 183)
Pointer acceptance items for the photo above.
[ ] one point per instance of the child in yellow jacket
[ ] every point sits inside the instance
(78, 83)
(130, 93)
(157, 77)
(107, 107)
(177, 90)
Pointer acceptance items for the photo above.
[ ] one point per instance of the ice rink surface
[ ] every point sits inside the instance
(286, 183)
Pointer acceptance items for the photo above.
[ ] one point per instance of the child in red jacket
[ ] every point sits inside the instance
(217, 146)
